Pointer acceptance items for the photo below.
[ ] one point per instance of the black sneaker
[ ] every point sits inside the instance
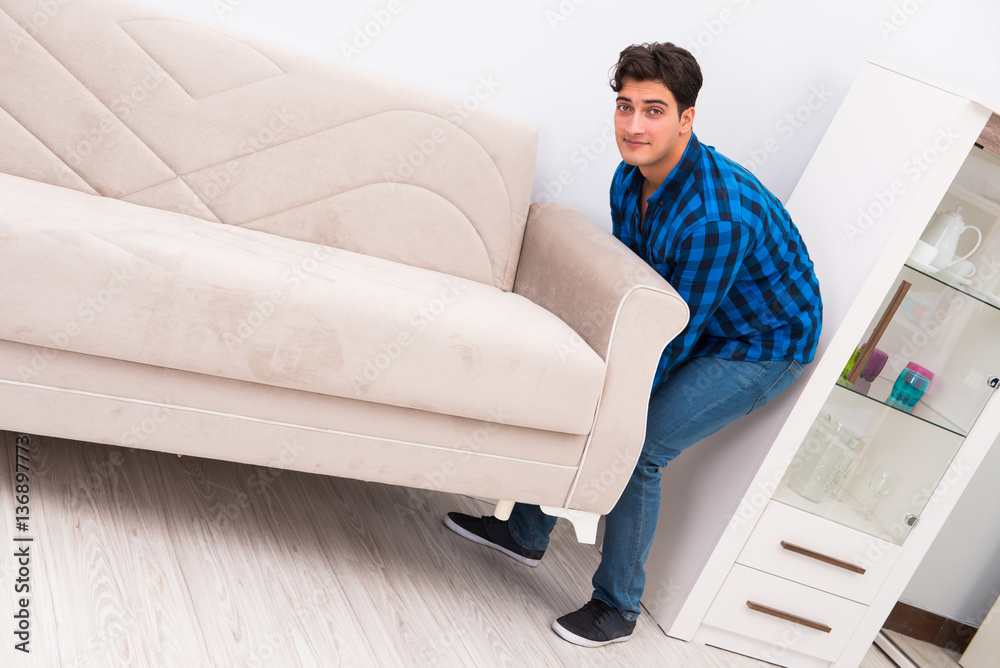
(594, 625)
(491, 532)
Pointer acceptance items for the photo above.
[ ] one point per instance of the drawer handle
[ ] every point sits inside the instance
(818, 556)
(788, 617)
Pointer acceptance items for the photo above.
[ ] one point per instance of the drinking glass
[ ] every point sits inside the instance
(839, 484)
(882, 482)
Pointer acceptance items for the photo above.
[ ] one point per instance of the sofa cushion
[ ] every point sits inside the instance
(100, 276)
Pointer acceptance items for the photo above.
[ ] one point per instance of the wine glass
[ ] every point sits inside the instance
(882, 482)
(851, 469)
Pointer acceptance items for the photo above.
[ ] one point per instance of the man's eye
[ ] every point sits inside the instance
(622, 107)
(655, 112)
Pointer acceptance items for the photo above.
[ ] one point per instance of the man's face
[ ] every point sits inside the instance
(649, 133)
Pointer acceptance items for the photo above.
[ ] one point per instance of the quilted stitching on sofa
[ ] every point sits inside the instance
(185, 118)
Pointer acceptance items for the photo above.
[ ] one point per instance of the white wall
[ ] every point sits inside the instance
(764, 62)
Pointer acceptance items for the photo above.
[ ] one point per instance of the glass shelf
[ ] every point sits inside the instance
(882, 386)
(993, 301)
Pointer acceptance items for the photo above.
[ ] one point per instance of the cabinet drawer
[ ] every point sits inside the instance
(806, 548)
(783, 615)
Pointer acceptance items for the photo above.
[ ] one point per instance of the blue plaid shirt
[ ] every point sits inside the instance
(730, 249)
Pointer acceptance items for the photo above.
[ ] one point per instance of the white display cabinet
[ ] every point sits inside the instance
(790, 538)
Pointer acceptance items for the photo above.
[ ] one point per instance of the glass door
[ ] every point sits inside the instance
(890, 429)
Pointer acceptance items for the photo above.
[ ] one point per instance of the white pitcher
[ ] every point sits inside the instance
(943, 233)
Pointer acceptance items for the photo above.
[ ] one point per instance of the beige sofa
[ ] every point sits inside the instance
(214, 247)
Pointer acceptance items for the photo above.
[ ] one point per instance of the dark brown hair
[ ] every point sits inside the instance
(664, 62)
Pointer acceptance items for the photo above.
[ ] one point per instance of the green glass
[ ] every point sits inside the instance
(850, 366)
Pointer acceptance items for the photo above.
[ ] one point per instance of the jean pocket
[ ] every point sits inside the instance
(790, 374)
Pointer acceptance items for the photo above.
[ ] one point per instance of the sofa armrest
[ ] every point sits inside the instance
(621, 308)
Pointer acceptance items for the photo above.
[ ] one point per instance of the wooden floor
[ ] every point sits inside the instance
(924, 654)
(146, 559)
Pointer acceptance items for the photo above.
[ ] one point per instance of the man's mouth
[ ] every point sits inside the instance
(634, 143)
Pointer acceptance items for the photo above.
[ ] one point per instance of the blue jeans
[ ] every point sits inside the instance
(698, 399)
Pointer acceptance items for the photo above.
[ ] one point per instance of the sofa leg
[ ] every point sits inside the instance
(502, 511)
(583, 522)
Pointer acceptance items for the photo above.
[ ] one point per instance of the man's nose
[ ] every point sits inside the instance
(634, 125)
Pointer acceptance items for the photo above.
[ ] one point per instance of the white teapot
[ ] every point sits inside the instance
(943, 233)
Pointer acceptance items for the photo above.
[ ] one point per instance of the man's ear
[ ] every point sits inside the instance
(687, 120)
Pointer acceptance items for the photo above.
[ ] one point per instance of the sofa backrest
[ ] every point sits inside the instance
(114, 99)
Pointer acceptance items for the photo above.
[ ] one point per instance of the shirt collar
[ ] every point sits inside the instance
(672, 186)
(674, 183)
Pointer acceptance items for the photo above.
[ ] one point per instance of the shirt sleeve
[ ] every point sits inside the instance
(706, 262)
(614, 195)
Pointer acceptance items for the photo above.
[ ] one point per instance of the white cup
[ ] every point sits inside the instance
(923, 252)
(963, 268)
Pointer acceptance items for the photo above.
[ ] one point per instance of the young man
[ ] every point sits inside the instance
(729, 248)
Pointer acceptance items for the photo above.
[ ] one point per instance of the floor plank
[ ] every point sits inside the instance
(877, 659)
(146, 559)
(924, 654)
